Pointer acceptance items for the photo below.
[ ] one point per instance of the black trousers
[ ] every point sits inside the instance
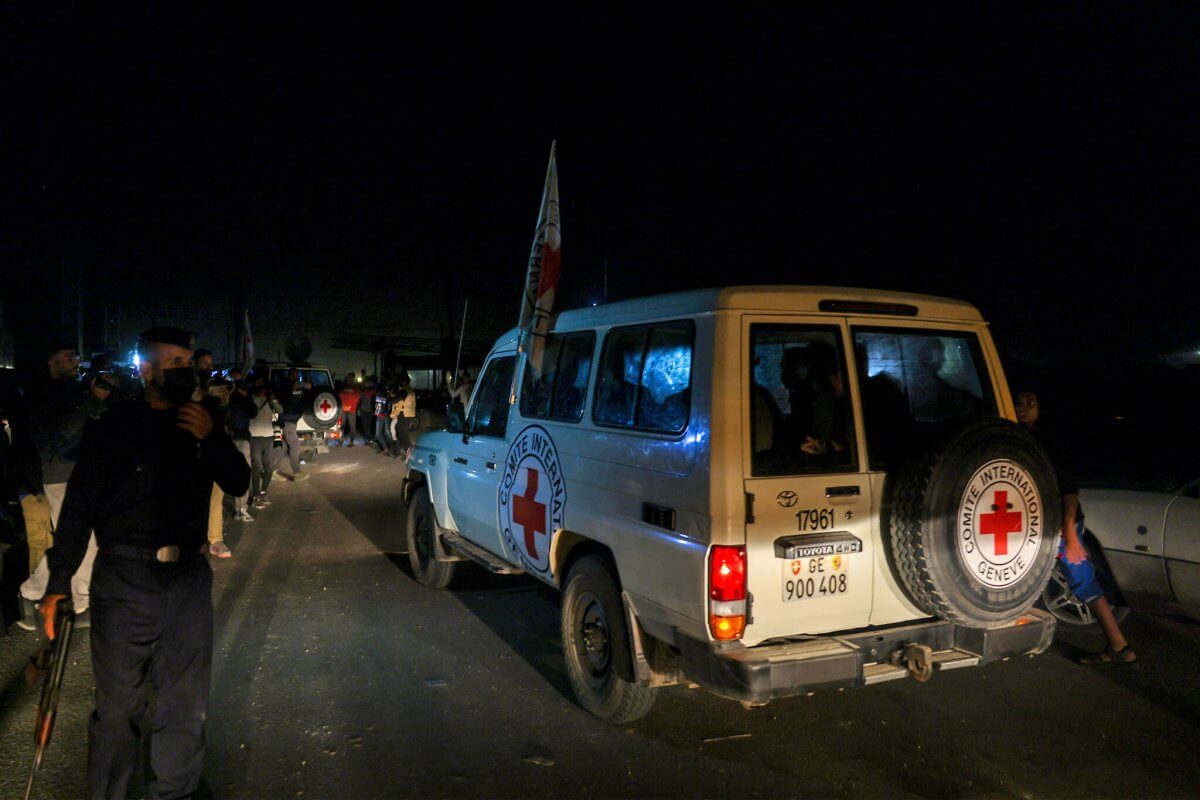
(366, 424)
(152, 621)
(262, 463)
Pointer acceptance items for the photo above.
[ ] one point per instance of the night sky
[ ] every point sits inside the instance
(362, 171)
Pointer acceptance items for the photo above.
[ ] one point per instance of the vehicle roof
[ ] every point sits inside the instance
(780, 298)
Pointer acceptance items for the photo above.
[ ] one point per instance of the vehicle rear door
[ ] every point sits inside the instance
(473, 474)
(808, 533)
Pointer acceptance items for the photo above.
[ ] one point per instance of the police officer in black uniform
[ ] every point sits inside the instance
(143, 482)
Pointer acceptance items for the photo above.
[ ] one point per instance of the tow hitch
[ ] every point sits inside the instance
(917, 659)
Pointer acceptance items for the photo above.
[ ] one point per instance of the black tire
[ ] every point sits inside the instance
(317, 420)
(595, 638)
(936, 505)
(419, 534)
(1068, 610)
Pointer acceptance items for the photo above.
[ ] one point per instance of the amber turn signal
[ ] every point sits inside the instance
(725, 629)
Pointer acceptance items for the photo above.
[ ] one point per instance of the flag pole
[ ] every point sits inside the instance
(462, 332)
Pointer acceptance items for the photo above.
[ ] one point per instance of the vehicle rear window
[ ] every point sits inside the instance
(558, 393)
(317, 378)
(801, 420)
(915, 382)
(645, 377)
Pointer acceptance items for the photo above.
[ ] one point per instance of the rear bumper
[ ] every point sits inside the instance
(862, 658)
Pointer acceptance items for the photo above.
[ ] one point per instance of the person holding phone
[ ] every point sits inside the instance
(143, 480)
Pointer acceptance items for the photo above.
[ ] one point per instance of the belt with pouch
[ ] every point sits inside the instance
(168, 554)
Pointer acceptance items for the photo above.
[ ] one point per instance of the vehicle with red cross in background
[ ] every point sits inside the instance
(765, 490)
(318, 425)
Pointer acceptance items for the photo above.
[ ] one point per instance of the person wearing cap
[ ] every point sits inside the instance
(58, 407)
(143, 482)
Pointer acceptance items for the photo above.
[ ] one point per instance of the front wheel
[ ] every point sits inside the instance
(421, 540)
(595, 638)
(1071, 612)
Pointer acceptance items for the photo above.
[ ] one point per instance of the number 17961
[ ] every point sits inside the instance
(814, 519)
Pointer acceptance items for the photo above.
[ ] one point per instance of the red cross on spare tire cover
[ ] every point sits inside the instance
(973, 524)
(325, 410)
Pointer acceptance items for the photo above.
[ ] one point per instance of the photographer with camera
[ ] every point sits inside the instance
(262, 438)
(57, 408)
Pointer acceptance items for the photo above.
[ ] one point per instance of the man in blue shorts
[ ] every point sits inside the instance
(1072, 555)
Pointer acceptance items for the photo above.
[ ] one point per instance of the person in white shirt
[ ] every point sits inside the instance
(262, 439)
(404, 418)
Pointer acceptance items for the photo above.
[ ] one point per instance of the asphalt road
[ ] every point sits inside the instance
(336, 675)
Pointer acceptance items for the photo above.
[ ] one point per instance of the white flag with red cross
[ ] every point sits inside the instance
(545, 267)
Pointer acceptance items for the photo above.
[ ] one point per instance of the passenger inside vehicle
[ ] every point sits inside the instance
(809, 431)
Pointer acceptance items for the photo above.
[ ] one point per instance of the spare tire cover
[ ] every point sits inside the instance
(324, 410)
(973, 524)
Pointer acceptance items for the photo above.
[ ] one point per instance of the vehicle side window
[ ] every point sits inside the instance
(914, 383)
(558, 392)
(489, 410)
(318, 378)
(645, 378)
(801, 419)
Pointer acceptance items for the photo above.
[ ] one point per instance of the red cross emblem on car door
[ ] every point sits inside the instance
(528, 512)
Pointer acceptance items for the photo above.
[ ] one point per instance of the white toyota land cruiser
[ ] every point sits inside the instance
(765, 490)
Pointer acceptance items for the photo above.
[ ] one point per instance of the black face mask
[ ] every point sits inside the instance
(178, 384)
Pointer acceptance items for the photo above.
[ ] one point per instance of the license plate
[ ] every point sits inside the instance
(817, 576)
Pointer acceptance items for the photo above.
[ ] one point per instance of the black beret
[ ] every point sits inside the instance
(166, 335)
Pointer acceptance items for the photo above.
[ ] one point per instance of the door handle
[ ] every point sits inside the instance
(841, 491)
(491, 465)
(459, 460)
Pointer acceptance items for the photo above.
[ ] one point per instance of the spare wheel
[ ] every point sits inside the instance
(973, 524)
(323, 411)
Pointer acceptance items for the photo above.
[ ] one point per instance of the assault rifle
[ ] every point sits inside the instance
(49, 664)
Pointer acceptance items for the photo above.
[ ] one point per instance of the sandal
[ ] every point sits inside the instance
(1109, 656)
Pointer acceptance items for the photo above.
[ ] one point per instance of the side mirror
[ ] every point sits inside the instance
(456, 422)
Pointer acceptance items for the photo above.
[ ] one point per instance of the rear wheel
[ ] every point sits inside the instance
(421, 537)
(595, 639)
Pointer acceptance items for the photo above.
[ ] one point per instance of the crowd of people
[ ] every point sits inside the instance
(127, 478)
(383, 412)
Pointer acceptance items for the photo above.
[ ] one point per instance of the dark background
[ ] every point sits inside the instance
(367, 170)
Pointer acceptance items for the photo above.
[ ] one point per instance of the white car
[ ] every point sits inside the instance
(1146, 547)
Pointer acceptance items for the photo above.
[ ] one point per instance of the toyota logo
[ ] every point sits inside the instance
(787, 499)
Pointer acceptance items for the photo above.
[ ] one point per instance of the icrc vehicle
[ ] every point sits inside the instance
(319, 423)
(765, 490)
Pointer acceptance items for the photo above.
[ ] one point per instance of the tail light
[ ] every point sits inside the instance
(727, 592)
